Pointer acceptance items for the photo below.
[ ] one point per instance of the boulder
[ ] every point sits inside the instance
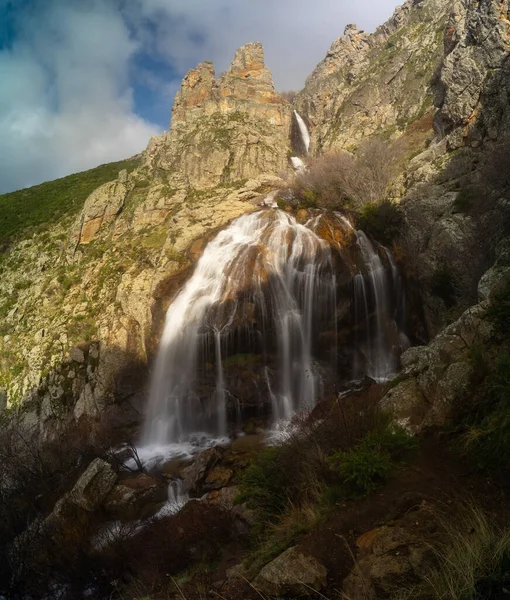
(94, 485)
(291, 573)
(195, 474)
(392, 555)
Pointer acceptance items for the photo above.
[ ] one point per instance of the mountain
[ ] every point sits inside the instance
(92, 262)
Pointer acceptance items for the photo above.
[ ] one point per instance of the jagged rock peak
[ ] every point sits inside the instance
(249, 63)
(247, 81)
(196, 87)
(352, 29)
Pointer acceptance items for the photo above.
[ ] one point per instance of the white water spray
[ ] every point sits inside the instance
(264, 278)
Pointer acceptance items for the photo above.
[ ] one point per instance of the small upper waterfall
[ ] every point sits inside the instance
(305, 134)
(261, 286)
(274, 310)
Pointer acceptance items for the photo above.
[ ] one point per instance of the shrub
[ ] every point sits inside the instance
(383, 221)
(296, 473)
(472, 562)
(366, 466)
(340, 180)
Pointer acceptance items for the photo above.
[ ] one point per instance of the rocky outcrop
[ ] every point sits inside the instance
(100, 208)
(436, 380)
(475, 78)
(376, 84)
(291, 573)
(232, 128)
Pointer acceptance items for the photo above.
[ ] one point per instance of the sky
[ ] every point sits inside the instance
(85, 82)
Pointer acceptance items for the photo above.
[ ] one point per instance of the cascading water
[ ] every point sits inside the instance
(378, 304)
(263, 285)
(305, 134)
(297, 162)
(273, 309)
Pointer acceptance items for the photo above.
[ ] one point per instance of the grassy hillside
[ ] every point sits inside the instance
(48, 202)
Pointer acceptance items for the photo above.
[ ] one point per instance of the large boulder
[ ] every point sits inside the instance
(291, 573)
(393, 555)
(94, 485)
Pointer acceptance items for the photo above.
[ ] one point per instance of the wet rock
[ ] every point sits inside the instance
(94, 485)
(291, 573)
(218, 477)
(195, 474)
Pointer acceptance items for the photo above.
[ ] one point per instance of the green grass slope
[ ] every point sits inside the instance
(48, 202)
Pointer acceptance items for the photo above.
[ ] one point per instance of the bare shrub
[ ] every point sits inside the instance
(34, 474)
(289, 95)
(340, 180)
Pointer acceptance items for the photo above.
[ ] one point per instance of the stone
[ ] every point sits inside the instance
(218, 478)
(436, 379)
(101, 207)
(94, 485)
(392, 555)
(195, 474)
(78, 354)
(291, 573)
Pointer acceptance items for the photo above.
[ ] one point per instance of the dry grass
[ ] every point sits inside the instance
(470, 558)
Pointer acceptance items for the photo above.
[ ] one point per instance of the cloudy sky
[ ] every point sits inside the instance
(84, 82)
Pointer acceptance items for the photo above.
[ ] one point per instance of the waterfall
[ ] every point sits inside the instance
(262, 286)
(273, 310)
(305, 134)
(378, 286)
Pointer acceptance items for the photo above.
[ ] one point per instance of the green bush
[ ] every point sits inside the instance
(362, 469)
(381, 221)
(265, 483)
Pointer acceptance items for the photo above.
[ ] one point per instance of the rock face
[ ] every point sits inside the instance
(227, 129)
(100, 208)
(436, 379)
(376, 84)
(292, 573)
(475, 77)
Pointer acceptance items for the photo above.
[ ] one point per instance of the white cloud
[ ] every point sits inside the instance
(65, 100)
(295, 33)
(66, 92)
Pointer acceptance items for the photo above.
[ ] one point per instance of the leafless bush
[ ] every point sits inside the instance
(339, 179)
(289, 95)
(33, 475)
